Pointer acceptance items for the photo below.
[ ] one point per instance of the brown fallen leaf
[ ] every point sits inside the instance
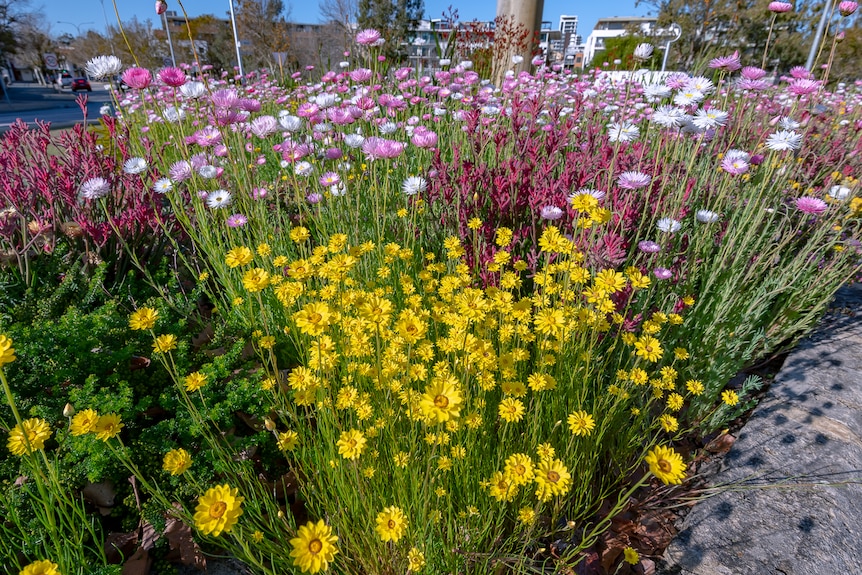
(139, 563)
(101, 494)
(138, 362)
(721, 444)
(120, 545)
(149, 535)
(183, 546)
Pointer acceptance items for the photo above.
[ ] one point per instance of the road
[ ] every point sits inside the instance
(33, 102)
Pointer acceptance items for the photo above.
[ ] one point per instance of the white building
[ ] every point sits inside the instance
(614, 28)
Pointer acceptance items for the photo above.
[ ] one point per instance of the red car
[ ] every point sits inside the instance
(81, 84)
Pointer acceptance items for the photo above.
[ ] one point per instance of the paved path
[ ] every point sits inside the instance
(33, 101)
(798, 462)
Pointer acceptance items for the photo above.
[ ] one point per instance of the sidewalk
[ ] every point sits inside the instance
(796, 468)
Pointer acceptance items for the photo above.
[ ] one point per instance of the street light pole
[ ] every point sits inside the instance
(235, 38)
(77, 26)
(824, 18)
(107, 30)
(170, 43)
(677, 33)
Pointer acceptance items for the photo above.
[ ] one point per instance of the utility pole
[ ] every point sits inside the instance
(235, 38)
(824, 18)
(107, 28)
(527, 13)
(170, 43)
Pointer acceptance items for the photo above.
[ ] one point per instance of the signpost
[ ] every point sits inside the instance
(51, 61)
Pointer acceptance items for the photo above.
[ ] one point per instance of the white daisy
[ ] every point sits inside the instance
(839, 192)
(655, 92)
(218, 199)
(735, 154)
(193, 90)
(687, 97)
(208, 172)
(706, 216)
(103, 67)
(700, 84)
(290, 123)
(668, 116)
(668, 225)
(786, 123)
(414, 185)
(784, 140)
(712, 118)
(326, 100)
(353, 141)
(303, 169)
(163, 186)
(387, 127)
(551, 213)
(95, 188)
(173, 114)
(624, 132)
(643, 51)
(135, 165)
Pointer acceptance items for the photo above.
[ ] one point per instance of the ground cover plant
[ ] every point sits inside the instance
(478, 317)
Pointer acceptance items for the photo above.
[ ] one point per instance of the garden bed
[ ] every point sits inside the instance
(465, 325)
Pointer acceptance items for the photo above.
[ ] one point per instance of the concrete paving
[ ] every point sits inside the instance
(30, 101)
(795, 470)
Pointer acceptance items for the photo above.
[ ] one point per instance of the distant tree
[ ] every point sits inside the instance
(262, 27)
(846, 64)
(393, 19)
(33, 39)
(341, 15)
(622, 48)
(717, 27)
(8, 18)
(137, 45)
(213, 39)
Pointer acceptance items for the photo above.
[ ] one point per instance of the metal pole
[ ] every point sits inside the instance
(812, 54)
(235, 38)
(5, 91)
(170, 43)
(677, 31)
(107, 28)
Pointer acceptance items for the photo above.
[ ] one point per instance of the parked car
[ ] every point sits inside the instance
(81, 84)
(64, 80)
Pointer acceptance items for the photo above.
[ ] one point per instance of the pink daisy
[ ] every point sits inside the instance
(633, 180)
(809, 205)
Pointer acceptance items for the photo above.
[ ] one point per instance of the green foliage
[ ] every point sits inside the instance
(622, 48)
(393, 19)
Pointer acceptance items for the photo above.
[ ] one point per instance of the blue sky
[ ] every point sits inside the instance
(82, 11)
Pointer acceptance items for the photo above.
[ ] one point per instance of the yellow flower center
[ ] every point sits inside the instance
(520, 469)
(218, 509)
(315, 546)
(391, 524)
(664, 465)
(314, 317)
(441, 401)
(553, 476)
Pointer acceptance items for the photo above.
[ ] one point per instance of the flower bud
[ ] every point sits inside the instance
(780, 7)
(161, 7)
(847, 7)
(269, 424)
(68, 410)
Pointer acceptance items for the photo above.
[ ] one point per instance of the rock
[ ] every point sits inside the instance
(789, 510)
